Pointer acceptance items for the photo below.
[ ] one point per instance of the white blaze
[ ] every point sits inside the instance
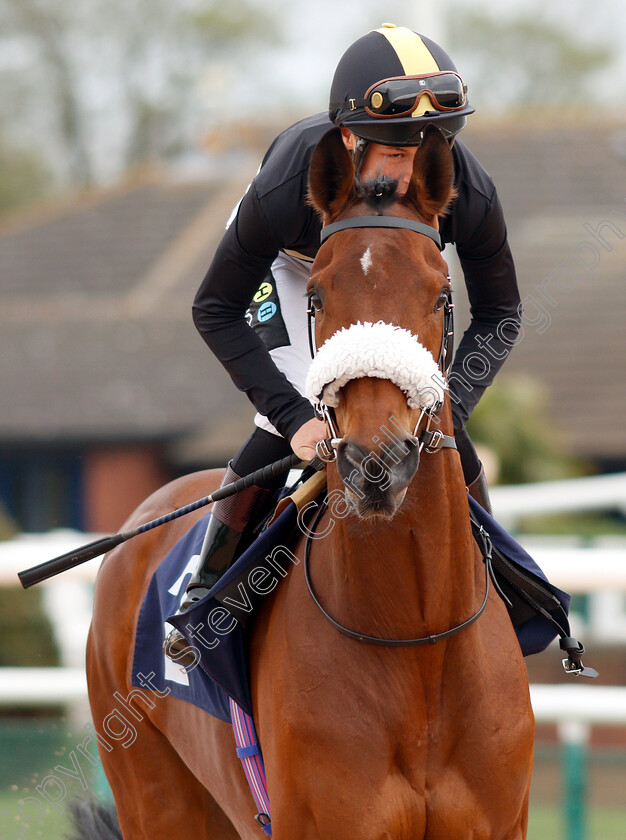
(366, 260)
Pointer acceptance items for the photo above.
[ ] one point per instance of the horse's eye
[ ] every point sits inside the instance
(441, 301)
(316, 304)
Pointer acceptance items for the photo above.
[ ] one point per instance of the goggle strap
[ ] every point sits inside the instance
(355, 104)
(352, 103)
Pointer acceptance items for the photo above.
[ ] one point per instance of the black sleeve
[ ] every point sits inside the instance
(487, 264)
(240, 265)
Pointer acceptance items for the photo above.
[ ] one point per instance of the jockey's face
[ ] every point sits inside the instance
(394, 161)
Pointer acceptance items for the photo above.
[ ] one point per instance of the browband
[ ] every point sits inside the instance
(382, 222)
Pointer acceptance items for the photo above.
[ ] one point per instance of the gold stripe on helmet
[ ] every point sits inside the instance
(414, 56)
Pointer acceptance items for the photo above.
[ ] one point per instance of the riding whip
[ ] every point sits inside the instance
(43, 571)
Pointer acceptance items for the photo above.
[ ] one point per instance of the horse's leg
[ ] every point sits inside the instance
(156, 796)
(521, 829)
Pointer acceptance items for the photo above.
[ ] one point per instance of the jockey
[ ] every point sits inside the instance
(251, 306)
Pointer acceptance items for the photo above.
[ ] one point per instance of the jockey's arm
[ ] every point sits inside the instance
(240, 265)
(489, 273)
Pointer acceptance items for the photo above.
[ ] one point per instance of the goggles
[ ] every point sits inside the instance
(399, 96)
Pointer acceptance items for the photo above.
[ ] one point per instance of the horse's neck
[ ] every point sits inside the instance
(415, 573)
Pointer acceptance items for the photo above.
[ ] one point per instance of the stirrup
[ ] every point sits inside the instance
(177, 648)
(194, 593)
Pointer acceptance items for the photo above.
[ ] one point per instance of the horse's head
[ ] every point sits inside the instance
(379, 296)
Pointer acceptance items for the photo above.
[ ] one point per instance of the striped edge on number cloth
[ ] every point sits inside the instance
(250, 754)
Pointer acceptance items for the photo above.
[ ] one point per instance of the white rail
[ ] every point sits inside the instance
(589, 704)
(598, 492)
(34, 687)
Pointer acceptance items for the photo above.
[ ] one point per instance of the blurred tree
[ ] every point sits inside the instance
(25, 630)
(525, 62)
(23, 177)
(511, 421)
(114, 74)
(8, 526)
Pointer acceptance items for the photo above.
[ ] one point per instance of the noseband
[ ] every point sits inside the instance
(431, 440)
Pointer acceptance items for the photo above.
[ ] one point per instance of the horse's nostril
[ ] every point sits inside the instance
(393, 454)
(352, 452)
(389, 470)
(376, 482)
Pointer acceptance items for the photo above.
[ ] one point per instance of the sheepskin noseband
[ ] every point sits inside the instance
(381, 350)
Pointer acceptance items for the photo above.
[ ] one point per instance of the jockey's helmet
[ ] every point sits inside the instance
(392, 82)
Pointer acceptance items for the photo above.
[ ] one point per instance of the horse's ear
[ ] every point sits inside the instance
(331, 175)
(432, 183)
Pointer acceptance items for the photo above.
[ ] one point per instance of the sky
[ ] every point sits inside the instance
(318, 33)
(284, 82)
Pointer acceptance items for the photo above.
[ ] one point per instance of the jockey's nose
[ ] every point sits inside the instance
(377, 478)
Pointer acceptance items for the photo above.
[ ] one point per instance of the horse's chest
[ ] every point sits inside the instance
(409, 746)
(379, 753)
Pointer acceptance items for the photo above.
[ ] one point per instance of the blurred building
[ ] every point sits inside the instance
(108, 391)
(563, 188)
(106, 384)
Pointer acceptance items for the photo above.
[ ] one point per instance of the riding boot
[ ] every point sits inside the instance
(230, 531)
(479, 491)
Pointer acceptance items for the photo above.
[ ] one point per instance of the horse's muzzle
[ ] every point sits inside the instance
(376, 483)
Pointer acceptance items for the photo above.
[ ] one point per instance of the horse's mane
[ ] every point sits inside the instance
(379, 192)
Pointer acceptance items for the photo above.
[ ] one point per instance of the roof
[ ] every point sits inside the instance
(96, 337)
(563, 189)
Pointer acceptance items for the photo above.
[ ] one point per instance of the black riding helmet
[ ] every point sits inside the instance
(392, 82)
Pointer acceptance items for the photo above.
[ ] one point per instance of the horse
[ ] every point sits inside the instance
(415, 720)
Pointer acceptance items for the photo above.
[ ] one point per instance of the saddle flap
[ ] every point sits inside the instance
(522, 588)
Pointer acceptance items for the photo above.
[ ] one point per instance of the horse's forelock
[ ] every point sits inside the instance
(379, 192)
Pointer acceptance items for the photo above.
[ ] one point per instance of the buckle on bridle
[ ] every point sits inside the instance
(574, 662)
(436, 440)
(325, 450)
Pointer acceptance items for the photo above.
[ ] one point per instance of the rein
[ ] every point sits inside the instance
(432, 639)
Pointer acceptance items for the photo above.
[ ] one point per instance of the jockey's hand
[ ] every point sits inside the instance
(304, 440)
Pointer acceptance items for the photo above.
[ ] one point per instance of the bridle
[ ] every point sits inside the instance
(431, 442)
(428, 440)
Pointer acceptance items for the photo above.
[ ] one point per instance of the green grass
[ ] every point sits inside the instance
(546, 822)
(47, 823)
(586, 525)
(31, 748)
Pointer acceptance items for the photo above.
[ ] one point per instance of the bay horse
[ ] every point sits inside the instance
(361, 741)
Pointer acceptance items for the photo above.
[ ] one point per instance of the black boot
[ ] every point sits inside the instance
(479, 491)
(229, 533)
